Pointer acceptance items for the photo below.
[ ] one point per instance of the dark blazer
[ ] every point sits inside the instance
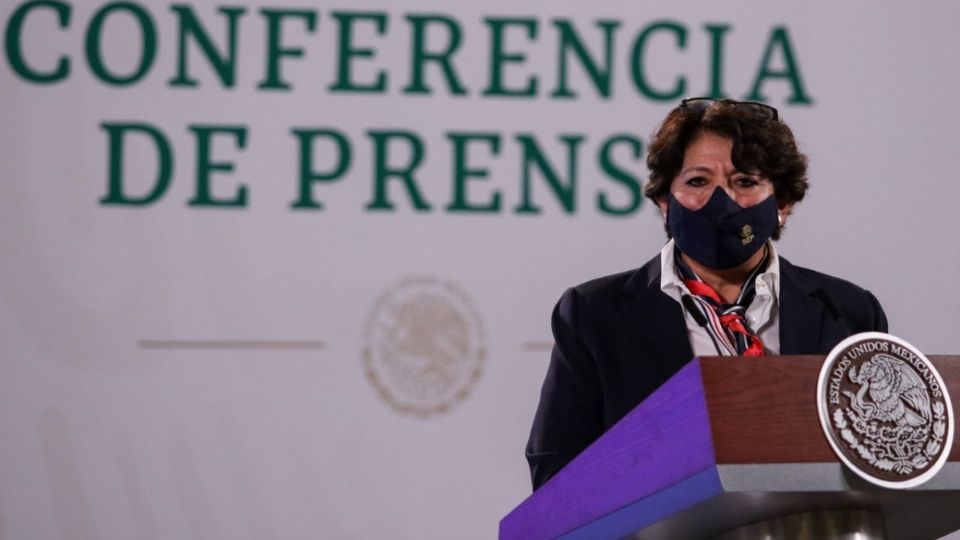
(618, 338)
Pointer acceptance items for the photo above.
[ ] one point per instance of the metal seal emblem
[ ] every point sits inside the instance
(885, 410)
(423, 346)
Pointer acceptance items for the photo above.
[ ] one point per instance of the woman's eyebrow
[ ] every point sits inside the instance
(697, 168)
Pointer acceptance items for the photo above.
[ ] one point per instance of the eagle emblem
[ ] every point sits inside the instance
(424, 346)
(885, 410)
(889, 392)
(746, 235)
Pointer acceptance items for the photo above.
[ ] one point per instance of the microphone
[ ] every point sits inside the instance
(694, 310)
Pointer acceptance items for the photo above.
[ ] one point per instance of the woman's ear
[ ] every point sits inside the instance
(662, 203)
(783, 212)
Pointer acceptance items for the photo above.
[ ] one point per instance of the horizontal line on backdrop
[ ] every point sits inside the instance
(231, 344)
(537, 346)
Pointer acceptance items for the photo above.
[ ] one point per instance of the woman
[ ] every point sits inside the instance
(726, 175)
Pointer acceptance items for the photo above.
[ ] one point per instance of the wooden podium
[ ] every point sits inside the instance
(725, 443)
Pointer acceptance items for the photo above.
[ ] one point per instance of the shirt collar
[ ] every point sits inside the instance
(672, 285)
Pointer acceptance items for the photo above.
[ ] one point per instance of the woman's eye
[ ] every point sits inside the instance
(747, 182)
(696, 181)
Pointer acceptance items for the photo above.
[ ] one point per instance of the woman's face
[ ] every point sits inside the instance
(707, 165)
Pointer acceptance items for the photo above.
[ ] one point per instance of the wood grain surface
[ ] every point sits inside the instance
(764, 410)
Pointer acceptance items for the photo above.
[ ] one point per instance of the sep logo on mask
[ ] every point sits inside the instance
(746, 235)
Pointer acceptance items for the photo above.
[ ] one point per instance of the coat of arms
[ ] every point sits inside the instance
(885, 410)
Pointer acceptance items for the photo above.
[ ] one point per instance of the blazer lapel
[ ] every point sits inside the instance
(801, 313)
(661, 331)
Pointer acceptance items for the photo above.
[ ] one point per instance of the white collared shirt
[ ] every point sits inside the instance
(762, 314)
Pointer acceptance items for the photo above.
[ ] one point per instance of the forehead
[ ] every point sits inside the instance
(708, 149)
(709, 143)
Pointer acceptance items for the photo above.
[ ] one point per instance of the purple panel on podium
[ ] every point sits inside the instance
(661, 505)
(663, 441)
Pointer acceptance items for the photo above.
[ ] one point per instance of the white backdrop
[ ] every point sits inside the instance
(177, 371)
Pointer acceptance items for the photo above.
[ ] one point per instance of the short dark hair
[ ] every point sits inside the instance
(761, 144)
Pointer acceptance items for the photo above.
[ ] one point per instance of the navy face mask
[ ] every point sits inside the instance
(722, 234)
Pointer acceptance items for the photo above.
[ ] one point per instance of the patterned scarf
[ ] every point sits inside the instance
(726, 323)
